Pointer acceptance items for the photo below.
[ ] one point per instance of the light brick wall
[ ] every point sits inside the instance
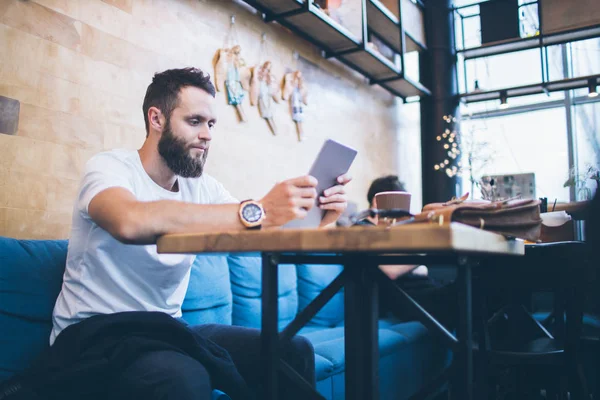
(80, 70)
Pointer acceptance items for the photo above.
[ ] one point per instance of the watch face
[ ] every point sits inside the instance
(252, 213)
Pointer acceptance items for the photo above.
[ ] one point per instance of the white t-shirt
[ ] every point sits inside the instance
(105, 276)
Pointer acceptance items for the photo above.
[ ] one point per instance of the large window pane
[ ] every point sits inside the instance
(587, 134)
(411, 63)
(504, 70)
(468, 28)
(512, 69)
(529, 19)
(472, 31)
(585, 56)
(522, 143)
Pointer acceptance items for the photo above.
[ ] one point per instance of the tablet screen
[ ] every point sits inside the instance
(334, 159)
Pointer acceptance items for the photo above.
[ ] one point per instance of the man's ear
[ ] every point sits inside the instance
(156, 119)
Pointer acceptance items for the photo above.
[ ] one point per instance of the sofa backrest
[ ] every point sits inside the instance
(208, 298)
(224, 289)
(31, 273)
(312, 279)
(246, 279)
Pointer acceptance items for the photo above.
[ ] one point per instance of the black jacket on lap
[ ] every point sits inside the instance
(86, 358)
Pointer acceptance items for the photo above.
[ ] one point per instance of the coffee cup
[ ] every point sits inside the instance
(392, 201)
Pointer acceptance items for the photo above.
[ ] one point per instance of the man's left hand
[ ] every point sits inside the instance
(334, 201)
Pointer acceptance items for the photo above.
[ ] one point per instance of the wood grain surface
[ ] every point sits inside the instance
(407, 238)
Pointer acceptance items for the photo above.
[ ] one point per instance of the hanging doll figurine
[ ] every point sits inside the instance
(295, 90)
(233, 82)
(232, 73)
(263, 91)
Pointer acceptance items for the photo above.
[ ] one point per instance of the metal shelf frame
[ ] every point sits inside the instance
(517, 44)
(540, 41)
(387, 27)
(308, 21)
(526, 90)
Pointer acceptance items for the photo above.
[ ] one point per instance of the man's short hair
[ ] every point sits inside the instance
(389, 183)
(163, 92)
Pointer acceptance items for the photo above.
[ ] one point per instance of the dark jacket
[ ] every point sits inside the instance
(86, 358)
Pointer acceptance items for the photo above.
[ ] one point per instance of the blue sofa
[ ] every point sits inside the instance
(223, 289)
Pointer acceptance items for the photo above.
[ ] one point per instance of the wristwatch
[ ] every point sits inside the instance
(251, 214)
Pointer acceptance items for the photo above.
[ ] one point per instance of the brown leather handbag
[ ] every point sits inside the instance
(518, 218)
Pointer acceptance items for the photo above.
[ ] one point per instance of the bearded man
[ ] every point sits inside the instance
(127, 199)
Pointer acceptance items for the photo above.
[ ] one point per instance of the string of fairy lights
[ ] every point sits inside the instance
(450, 140)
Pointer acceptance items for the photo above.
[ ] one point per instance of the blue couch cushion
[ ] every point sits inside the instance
(312, 279)
(423, 357)
(31, 273)
(404, 347)
(246, 278)
(329, 344)
(208, 298)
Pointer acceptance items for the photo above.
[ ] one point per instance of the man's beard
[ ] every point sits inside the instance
(177, 156)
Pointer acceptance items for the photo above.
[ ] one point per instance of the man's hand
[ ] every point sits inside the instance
(334, 201)
(289, 200)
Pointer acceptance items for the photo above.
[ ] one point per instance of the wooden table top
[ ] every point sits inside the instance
(411, 238)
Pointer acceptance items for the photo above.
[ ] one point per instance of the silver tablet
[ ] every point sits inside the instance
(333, 160)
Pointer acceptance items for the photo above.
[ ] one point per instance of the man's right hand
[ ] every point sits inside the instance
(289, 200)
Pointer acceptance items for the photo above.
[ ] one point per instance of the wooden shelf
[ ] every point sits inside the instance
(383, 72)
(321, 29)
(275, 6)
(370, 63)
(384, 24)
(405, 87)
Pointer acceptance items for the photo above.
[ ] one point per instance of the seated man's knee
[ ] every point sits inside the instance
(165, 375)
(190, 383)
(300, 353)
(301, 346)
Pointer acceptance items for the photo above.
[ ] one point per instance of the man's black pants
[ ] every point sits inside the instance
(167, 375)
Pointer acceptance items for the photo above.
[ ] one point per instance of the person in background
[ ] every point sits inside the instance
(434, 296)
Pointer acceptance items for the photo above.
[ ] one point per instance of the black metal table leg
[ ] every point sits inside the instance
(361, 331)
(485, 388)
(269, 335)
(462, 385)
(574, 313)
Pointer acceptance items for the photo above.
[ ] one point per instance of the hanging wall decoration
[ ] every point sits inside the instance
(231, 72)
(294, 90)
(264, 88)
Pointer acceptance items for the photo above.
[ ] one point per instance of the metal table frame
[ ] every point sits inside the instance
(362, 280)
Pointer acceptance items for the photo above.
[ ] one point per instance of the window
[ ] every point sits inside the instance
(529, 18)
(522, 143)
(411, 63)
(509, 70)
(468, 22)
(468, 27)
(585, 57)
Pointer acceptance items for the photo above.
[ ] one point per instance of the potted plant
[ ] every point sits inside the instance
(581, 181)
